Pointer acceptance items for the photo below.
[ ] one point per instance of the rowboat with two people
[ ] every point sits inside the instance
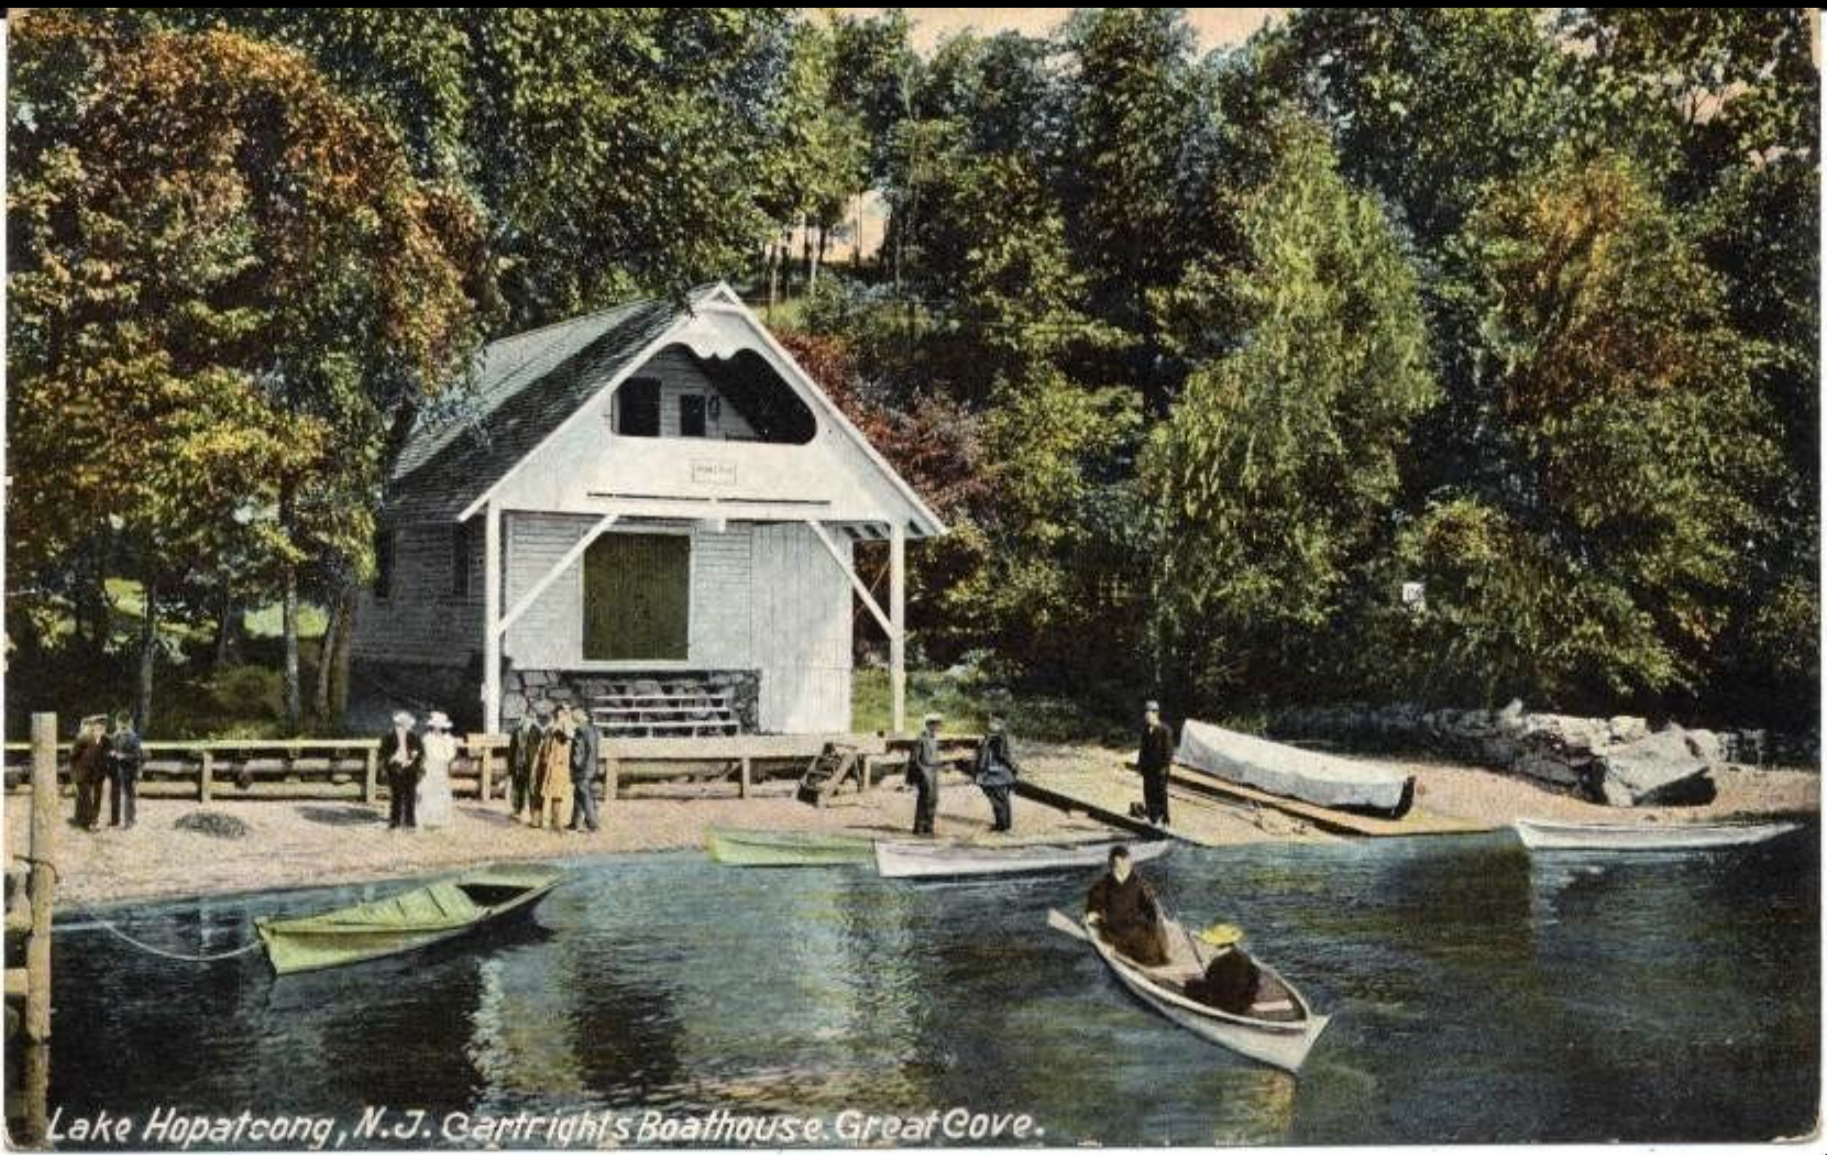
(1274, 1025)
(1543, 834)
(407, 921)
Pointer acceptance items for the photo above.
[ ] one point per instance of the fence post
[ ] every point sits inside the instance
(743, 785)
(484, 752)
(369, 769)
(612, 772)
(206, 777)
(44, 854)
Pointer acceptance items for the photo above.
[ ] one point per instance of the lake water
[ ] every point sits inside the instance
(1476, 996)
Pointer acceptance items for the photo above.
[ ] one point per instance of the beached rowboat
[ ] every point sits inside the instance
(1279, 1030)
(786, 848)
(954, 859)
(406, 921)
(1542, 834)
(1305, 775)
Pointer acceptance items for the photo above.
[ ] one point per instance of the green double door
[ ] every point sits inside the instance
(637, 598)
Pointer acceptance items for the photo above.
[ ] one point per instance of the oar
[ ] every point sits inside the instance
(1066, 924)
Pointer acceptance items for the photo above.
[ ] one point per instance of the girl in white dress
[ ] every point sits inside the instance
(434, 787)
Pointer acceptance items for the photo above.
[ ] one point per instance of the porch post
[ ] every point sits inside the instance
(491, 619)
(897, 616)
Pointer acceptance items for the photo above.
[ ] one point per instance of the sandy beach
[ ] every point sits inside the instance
(307, 843)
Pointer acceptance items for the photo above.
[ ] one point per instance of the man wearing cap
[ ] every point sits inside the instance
(523, 759)
(586, 760)
(1229, 982)
(996, 771)
(1154, 760)
(88, 769)
(403, 757)
(1123, 909)
(125, 753)
(923, 766)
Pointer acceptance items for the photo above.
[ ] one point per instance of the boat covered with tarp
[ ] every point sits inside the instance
(1291, 772)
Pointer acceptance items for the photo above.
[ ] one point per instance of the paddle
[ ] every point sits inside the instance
(1066, 924)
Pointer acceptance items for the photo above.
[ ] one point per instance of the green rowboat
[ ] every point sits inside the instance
(787, 848)
(406, 921)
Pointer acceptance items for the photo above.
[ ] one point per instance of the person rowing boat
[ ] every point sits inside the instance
(1123, 910)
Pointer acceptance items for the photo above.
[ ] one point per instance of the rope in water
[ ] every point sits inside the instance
(117, 932)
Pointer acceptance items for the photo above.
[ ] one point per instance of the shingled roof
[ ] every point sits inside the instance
(524, 387)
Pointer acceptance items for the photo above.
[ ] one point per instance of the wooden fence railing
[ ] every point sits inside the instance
(349, 768)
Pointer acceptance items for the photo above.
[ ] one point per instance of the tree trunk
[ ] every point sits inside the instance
(294, 708)
(773, 276)
(328, 653)
(856, 253)
(818, 254)
(226, 614)
(149, 648)
(805, 248)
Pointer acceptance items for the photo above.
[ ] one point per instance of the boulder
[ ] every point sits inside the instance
(1660, 769)
(1625, 728)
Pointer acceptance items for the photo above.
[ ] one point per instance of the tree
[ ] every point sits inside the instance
(1278, 471)
(1616, 536)
(227, 286)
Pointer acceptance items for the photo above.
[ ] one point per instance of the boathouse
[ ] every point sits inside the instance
(652, 510)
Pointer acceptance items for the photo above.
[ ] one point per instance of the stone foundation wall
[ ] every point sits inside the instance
(521, 690)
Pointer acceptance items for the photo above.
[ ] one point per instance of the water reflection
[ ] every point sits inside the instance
(1476, 996)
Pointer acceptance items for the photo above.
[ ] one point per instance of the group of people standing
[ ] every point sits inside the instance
(993, 769)
(995, 772)
(106, 755)
(553, 758)
(418, 771)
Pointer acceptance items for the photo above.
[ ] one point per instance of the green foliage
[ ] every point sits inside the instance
(1278, 470)
(1605, 563)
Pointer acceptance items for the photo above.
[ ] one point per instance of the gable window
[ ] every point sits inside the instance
(383, 565)
(637, 598)
(459, 560)
(692, 412)
(637, 408)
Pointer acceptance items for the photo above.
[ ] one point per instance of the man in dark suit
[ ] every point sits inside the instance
(923, 767)
(403, 757)
(125, 753)
(89, 769)
(996, 771)
(523, 760)
(586, 760)
(1154, 760)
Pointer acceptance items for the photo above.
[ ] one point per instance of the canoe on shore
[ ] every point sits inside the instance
(1279, 1029)
(1543, 834)
(786, 848)
(1306, 775)
(957, 859)
(406, 921)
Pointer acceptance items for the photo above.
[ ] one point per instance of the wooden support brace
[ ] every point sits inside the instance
(370, 775)
(206, 777)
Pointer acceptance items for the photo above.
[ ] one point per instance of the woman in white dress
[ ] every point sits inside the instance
(434, 787)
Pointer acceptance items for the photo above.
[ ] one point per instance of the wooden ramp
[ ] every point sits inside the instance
(1198, 818)
(1417, 821)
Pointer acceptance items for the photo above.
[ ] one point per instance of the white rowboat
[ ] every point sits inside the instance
(1280, 1032)
(1541, 834)
(955, 859)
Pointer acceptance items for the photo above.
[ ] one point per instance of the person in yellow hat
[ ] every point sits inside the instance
(1229, 982)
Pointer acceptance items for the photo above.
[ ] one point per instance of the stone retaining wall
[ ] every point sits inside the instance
(1618, 760)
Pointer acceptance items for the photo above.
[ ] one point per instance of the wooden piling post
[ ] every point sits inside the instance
(206, 777)
(484, 752)
(370, 771)
(612, 772)
(743, 788)
(44, 854)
